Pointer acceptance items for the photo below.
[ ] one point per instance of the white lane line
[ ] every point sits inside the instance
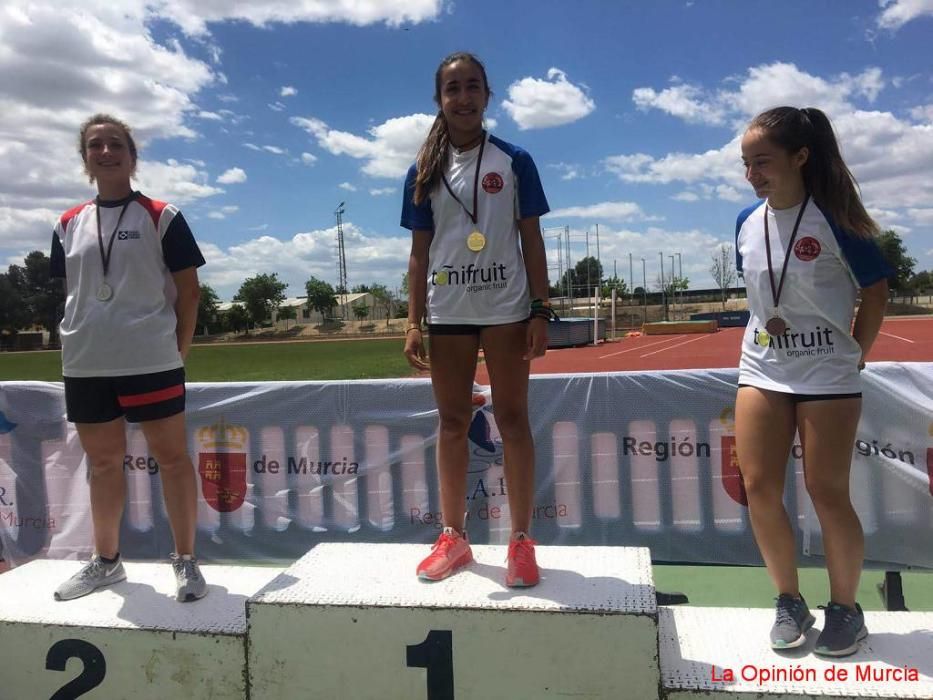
(891, 335)
(641, 347)
(692, 340)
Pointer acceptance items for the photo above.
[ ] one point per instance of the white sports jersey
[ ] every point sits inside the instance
(489, 286)
(134, 331)
(817, 353)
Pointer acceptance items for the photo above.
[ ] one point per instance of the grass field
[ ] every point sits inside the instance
(344, 359)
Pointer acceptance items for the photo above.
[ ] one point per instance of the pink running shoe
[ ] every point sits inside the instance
(450, 553)
(523, 568)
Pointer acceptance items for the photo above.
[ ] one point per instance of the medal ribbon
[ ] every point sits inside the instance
(474, 215)
(776, 294)
(105, 257)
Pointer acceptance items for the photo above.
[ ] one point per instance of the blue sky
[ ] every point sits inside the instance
(258, 118)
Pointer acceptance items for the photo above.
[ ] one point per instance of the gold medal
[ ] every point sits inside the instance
(476, 241)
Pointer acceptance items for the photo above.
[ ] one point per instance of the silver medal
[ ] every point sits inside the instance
(104, 292)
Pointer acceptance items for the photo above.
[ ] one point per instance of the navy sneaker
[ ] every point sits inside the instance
(842, 631)
(792, 619)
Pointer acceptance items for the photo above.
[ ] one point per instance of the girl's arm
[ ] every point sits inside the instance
(417, 296)
(869, 317)
(536, 268)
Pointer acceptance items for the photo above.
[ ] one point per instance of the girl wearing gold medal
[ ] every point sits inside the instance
(805, 251)
(477, 273)
(130, 269)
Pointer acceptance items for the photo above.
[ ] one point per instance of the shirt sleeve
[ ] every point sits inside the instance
(57, 257)
(739, 222)
(864, 257)
(415, 216)
(179, 249)
(530, 196)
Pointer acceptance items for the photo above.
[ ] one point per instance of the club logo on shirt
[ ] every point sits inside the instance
(807, 249)
(492, 183)
(475, 279)
(803, 344)
(126, 235)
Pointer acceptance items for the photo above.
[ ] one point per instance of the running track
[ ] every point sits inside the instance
(902, 339)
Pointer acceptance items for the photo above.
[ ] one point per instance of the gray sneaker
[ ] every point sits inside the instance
(842, 631)
(93, 575)
(791, 621)
(189, 583)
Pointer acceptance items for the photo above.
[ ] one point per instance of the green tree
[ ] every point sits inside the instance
(360, 310)
(207, 309)
(236, 318)
(896, 254)
(287, 313)
(261, 295)
(611, 283)
(321, 296)
(922, 282)
(14, 313)
(723, 269)
(43, 296)
(404, 287)
(361, 289)
(383, 298)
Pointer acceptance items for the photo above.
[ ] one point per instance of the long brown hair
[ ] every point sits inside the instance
(96, 120)
(433, 153)
(825, 175)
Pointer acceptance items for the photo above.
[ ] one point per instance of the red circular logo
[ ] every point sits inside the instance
(807, 249)
(492, 182)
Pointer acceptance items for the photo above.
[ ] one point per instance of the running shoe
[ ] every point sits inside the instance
(450, 553)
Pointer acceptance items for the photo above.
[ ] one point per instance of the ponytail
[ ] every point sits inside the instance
(431, 158)
(825, 174)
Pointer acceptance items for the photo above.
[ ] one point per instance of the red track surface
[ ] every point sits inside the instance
(900, 340)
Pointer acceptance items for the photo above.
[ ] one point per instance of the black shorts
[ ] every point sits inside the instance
(463, 328)
(138, 397)
(802, 398)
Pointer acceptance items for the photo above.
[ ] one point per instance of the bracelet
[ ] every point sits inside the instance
(411, 328)
(540, 303)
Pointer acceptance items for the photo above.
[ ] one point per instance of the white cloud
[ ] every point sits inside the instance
(921, 216)
(308, 158)
(897, 13)
(535, 104)
(371, 257)
(228, 98)
(193, 16)
(252, 146)
(349, 187)
(569, 171)
(923, 113)
(684, 101)
(288, 91)
(276, 106)
(211, 116)
(381, 191)
(686, 196)
(388, 151)
(274, 149)
(223, 212)
(611, 211)
(489, 123)
(232, 176)
(109, 62)
(175, 182)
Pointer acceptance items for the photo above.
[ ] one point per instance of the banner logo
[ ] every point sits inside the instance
(807, 249)
(222, 465)
(492, 183)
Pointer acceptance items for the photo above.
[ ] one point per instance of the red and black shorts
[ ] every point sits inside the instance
(137, 397)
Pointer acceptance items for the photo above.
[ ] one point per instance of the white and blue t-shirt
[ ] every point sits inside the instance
(133, 332)
(490, 286)
(817, 353)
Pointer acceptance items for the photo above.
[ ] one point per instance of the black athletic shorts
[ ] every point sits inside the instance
(138, 397)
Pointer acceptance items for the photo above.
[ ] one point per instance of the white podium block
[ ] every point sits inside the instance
(724, 653)
(130, 640)
(353, 621)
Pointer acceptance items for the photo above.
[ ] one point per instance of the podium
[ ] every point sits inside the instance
(356, 623)
(131, 640)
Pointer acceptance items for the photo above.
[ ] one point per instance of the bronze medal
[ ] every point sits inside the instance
(776, 326)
